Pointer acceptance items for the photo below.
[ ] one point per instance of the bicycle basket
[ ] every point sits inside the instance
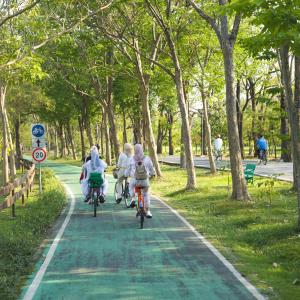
(95, 180)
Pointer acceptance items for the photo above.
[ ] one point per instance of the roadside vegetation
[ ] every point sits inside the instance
(259, 237)
(21, 236)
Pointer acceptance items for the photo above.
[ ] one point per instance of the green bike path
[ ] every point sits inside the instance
(109, 257)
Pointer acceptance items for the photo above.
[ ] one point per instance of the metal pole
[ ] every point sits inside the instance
(40, 179)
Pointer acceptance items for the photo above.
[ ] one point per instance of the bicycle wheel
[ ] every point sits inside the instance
(265, 160)
(126, 195)
(142, 218)
(95, 200)
(116, 192)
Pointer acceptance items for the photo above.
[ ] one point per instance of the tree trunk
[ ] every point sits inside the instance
(186, 136)
(67, 143)
(56, 148)
(254, 118)
(240, 117)
(293, 106)
(239, 187)
(71, 141)
(170, 133)
(284, 131)
(107, 140)
(137, 130)
(12, 160)
(212, 164)
(82, 141)
(182, 152)
(4, 135)
(159, 135)
(62, 141)
(125, 139)
(86, 119)
(18, 142)
(144, 81)
(110, 106)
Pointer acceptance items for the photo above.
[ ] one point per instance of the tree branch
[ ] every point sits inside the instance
(211, 21)
(19, 12)
(235, 28)
(53, 37)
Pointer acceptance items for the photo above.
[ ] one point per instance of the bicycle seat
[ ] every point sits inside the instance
(138, 188)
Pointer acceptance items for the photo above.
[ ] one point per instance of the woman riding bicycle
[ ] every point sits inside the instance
(122, 165)
(140, 169)
(95, 165)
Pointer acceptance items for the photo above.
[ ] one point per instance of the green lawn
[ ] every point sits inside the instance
(258, 237)
(21, 237)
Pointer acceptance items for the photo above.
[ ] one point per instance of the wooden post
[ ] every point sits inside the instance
(13, 207)
(23, 197)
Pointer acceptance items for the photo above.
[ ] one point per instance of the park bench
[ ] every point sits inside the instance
(249, 173)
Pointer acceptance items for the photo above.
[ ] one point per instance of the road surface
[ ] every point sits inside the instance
(283, 171)
(109, 257)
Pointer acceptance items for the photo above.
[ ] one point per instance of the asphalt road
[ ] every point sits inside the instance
(283, 171)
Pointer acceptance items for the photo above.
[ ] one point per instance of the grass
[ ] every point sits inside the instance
(258, 237)
(21, 237)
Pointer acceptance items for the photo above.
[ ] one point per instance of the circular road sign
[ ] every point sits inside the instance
(39, 154)
(38, 130)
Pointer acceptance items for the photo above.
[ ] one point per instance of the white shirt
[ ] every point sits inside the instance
(89, 169)
(123, 161)
(130, 171)
(218, 143)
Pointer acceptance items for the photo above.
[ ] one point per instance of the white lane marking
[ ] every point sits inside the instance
(251, 288)
(41, 272)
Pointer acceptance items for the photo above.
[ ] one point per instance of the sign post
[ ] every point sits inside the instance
(39, 153)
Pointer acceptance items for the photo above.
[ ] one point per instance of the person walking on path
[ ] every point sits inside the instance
(140, 169)
(218, 144)
(122, 165)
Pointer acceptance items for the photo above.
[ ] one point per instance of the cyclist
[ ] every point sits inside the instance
(262, 146)
(122, 166)
(218, 144)
(140, 169)
(94, 165)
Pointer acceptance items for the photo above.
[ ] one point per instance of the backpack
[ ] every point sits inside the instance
(140, 171)
(95, 180)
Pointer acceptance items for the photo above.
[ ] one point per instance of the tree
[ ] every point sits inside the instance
(280, 33)
(177, 76)
(227, 39)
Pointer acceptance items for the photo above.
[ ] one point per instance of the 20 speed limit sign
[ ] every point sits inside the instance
(39, 154)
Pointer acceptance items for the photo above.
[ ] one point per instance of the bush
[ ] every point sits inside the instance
(21, 237)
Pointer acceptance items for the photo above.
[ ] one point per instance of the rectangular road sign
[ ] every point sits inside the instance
(38, 142)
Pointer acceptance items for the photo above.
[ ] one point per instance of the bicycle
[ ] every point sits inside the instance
(141, 206)
(218, 155)
(96, 190)
(124, 194)
(262, 155)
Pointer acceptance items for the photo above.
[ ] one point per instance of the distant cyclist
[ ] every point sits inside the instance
(262, 148)
(218, 144)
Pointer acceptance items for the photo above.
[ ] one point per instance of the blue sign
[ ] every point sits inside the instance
(38, 130)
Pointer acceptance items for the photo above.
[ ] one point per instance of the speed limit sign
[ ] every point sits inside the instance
(39, 154)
